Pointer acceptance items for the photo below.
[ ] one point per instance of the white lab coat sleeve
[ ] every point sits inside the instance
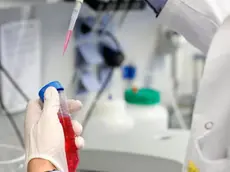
(196, 20)
(210, 136)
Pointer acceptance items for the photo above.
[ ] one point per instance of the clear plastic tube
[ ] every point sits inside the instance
(72, 24)
(70, 146)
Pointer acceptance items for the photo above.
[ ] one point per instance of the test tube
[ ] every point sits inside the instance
(65, 120)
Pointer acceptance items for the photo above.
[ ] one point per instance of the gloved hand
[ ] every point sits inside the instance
(44, 136)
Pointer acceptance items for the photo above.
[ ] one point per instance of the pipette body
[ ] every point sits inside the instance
(72, 24)
(71, 150)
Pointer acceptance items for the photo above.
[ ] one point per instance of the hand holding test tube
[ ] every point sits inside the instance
(65, 120)
(44, 135)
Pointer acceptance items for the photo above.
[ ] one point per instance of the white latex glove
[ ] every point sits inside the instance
(44, 136)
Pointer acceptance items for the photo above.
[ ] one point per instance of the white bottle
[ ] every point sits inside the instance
(152, 118)
(111, 116)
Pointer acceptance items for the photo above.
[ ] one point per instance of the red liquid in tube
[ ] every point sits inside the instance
(70, 146)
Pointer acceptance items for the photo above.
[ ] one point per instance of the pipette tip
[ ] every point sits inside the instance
(67, 39)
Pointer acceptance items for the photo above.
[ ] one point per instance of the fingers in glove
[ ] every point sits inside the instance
(33, 113)
(77, 127)
(51, 105)
(34, 107)
(80, 142)
(74, 105)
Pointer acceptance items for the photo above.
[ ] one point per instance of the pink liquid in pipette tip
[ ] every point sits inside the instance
(70, 145)
(67, 39)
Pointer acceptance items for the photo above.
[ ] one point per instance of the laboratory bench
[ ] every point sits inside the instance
(132, 152)
(139, 147)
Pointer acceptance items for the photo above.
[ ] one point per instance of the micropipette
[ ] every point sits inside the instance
(72, 23)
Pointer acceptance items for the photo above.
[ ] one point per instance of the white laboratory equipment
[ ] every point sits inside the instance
(134, 150)
(132, 138)
(130, 132)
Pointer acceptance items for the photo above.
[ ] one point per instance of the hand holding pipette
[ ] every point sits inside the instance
(72, 23)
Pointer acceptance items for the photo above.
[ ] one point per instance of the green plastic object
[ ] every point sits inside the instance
(144, 96)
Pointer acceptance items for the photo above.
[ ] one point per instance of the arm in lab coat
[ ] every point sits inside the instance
(196, 20)
(206, 24)
(209, 145)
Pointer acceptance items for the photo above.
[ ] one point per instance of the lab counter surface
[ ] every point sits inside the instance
(137, 148)
(134, 151)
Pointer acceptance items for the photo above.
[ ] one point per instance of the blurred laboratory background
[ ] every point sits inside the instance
(136, 79)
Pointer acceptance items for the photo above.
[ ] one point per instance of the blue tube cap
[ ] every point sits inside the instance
(54, 84)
